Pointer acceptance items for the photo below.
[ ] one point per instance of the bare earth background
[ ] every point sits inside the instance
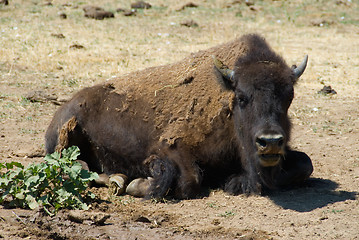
(35, 57)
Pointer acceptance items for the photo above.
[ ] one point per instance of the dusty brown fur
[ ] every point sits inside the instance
(66, 130)
(185, 97)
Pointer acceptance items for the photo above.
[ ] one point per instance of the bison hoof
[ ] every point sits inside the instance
(242, 185)
(139, 187)
(117, 184)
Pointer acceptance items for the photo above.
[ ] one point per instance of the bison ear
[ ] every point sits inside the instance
(227, 74)
(298, 71)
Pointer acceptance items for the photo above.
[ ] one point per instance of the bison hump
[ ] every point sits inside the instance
(185, 97)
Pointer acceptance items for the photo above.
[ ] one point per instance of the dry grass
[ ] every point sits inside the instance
(154, 37)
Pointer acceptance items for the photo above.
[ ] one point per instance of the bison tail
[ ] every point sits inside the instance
(58, 136)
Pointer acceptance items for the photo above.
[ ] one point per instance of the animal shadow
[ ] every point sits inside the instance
(315, 193)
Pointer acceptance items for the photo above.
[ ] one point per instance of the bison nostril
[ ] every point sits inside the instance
(261, 142)
(280, 142)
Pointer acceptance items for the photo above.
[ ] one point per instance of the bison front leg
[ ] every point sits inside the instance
(174, 173)
(296, 168)
(242, 183)
(189, 181)
(163, 172)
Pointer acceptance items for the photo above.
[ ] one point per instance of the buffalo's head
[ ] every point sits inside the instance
(263, 87)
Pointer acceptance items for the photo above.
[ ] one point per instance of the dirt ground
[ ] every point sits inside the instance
(34, 56)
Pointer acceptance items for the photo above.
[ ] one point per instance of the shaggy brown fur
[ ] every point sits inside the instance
(184, 123)
(65, 134)
(185, 97)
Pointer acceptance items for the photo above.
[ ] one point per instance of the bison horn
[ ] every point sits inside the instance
(223, 69)
(298, 71)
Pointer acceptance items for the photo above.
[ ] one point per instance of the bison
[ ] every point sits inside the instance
(216, 118)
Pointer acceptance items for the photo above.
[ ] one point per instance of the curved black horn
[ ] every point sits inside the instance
(298, 71)
(223, 69)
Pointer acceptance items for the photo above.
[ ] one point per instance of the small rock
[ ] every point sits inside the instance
(319, 22)
(76, 216)
(67, 4)
(79, 216)
(189, 23)
(62, 15)
(254, 8)
(58, 35)
(342, 2)
(128, 13)
(141, 5)
(327, 90)
(187, 5)
(89, 8)
(99, 14)
(237, 1)
(142, 219)
(121, 10)
(249, 3)
(96, 12)
(37, 153)
(216, 222)
(76, 46)
(49, 3)
(40, 96)
(99, 218)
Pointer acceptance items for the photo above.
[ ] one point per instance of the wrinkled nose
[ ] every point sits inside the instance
(270, 143)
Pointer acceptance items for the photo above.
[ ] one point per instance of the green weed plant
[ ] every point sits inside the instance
(57, 183)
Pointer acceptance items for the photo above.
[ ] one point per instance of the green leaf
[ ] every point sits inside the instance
(31, 181)
(44, 200)
(31, 202)
(89, 176)
(52, 159)
(55, 156)
(70, 186)
(2, 166)
(20, 195)
(12, 164)
(4, 182)
(71, 153)
(74, 171)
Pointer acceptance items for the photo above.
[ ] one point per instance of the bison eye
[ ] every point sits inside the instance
(242, 100)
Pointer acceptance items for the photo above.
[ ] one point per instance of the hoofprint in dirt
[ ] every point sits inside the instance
(326, 127)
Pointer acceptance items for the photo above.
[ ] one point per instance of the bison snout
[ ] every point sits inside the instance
(270, 149)
(270, 142)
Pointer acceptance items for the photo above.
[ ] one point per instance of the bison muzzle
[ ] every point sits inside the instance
(218, 118)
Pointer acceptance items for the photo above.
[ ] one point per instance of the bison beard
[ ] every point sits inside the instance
(192, 123)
